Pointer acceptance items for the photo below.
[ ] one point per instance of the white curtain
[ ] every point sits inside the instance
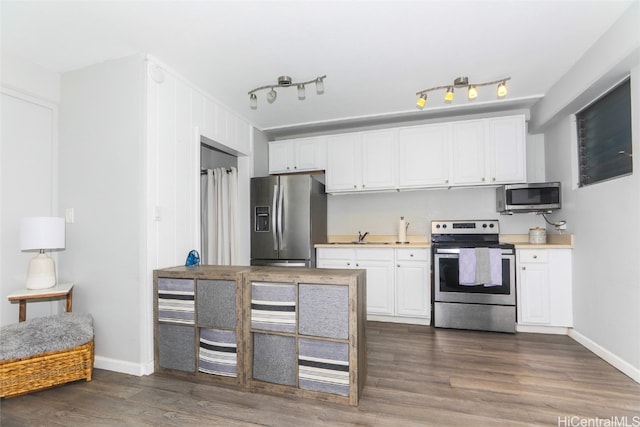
(219, 204)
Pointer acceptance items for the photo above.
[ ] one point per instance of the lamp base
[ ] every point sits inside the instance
(41, 273)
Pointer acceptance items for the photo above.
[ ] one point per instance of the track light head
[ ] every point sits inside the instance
(472, 92)
(320, 85)
(422, 101)
(271, 96)
(253, 101)
(448, 96)
(301, 93)
(502, 89)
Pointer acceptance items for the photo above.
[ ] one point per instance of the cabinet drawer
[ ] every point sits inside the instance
(337, 253)
(412, 254)
(532, 256)
(374, 254)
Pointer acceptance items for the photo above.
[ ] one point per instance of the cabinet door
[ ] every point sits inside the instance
(343, 163)
(533, 294)
(379, 160)
(424, 156)
(280, 156)
(379, 286)
(506, 150)
(308, 154)
(412, 289)
(468, 153)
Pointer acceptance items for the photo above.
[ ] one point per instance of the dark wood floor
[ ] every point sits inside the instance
(418, 376)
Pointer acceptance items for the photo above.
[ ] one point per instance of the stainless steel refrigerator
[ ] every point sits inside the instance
(288, 217)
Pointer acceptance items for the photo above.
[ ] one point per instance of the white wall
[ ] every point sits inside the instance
(28, 171)
(378, 213)
(30, 79)
(604, 216)
(101, 178)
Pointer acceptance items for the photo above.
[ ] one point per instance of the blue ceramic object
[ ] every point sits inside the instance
(193, 259)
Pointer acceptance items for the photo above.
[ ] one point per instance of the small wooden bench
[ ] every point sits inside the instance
(45, 352)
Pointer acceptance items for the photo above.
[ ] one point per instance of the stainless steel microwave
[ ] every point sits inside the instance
(535, 197)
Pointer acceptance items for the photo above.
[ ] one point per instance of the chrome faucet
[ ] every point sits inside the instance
(362, 236)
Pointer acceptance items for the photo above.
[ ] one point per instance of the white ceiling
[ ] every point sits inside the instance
(376, 54)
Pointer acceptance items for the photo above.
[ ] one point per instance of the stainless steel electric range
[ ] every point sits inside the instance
(473, 276)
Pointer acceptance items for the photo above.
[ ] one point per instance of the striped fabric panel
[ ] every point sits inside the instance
(323, 366)
(176, 301)
(218, 352)
(273, 306)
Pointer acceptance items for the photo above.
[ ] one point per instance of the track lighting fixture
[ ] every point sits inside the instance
(285, 81)
(460, 82)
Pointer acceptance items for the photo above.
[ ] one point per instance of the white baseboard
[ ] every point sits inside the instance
(396, 319)
(137, 369)
(618, 363)
(535, 329)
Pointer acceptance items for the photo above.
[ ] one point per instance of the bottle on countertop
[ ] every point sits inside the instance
(402, 230)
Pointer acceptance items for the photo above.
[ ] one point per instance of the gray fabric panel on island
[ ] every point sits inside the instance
(324, 311)
(176, 347)
(274, 358)
(217, 303)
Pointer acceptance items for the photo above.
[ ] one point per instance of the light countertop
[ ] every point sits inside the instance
(521, 241)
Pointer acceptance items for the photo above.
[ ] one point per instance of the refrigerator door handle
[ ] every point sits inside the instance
(274, 215)
(281, 240)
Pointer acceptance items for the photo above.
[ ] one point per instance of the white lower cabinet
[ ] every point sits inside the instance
(398, 280)
(413, 283)
(544, 287)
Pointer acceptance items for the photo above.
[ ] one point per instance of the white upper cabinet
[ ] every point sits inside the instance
(343, 163)
(465, 153)
(489, 151)
(424, 156)
(297, 155)
(506, 151)
(363, 161)
(468, 153)
(224, 127)
(379, 154)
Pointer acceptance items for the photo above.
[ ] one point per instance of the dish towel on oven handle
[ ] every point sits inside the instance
(480, 266)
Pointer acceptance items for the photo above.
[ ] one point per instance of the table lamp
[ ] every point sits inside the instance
(41, 233)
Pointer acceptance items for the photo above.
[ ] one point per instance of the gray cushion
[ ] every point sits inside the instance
(45, 334)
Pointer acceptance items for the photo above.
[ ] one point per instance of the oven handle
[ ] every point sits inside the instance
(457, 251)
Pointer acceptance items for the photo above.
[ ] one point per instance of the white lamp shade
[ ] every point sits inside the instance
(42, 233)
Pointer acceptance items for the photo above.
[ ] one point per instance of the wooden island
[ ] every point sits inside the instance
(297, 331)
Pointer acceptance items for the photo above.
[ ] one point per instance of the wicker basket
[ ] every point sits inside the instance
(21, 376)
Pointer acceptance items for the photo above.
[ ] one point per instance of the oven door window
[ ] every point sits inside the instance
(448, 280)
(446, 286)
